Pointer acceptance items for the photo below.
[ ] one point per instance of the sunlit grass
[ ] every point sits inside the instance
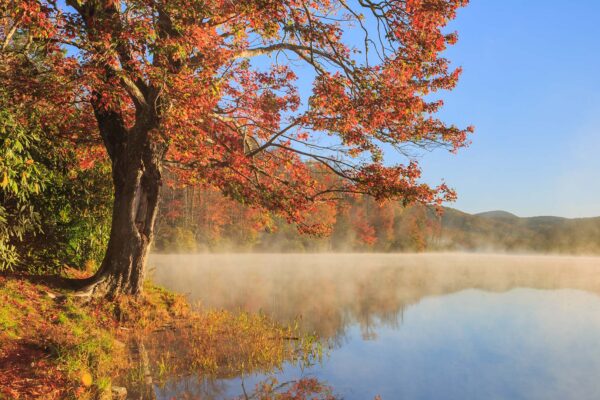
(89, 345)
(212, 343)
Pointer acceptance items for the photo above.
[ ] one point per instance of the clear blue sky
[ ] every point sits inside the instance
(531, 87)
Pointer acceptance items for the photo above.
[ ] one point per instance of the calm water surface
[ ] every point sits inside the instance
(444, 326)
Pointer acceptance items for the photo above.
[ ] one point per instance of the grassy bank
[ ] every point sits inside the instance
(57, 346)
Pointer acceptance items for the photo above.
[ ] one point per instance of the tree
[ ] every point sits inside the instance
(210, 88)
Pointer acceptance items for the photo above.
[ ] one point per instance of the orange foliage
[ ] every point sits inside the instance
(175, 79)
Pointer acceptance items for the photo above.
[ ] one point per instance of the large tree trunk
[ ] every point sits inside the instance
(137, 182)
(134, 213)
(136, 171)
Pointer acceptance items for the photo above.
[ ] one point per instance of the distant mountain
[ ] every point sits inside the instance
(503, 231)
(496, 214)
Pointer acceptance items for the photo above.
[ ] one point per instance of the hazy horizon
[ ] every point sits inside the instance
(518, 215)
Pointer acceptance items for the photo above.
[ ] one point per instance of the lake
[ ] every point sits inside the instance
(431, 326)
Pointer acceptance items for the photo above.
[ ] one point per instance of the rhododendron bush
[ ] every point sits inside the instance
(255, 98)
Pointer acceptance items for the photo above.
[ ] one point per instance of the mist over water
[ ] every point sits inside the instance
(426, 326)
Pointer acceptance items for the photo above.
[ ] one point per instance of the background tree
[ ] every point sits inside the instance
(211, 89)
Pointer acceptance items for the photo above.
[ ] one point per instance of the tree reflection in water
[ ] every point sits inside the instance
(328, 294)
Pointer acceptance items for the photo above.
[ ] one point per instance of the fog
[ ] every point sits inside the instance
(331, 291)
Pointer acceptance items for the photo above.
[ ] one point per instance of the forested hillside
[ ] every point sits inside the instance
(193, 219)
(503, 231)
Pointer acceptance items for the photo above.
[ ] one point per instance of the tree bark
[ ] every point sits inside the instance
(137, 184)
(136, 171)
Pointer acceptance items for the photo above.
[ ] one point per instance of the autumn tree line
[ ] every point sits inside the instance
(194, 219)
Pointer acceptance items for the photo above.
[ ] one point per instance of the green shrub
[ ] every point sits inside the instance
(52, 212)
(21, 179)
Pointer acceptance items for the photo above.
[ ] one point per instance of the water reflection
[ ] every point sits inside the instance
(330, 292)
(267, 388)
(424, 326)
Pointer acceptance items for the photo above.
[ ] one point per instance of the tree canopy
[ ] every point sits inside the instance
(282, 104)
(241, 124)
